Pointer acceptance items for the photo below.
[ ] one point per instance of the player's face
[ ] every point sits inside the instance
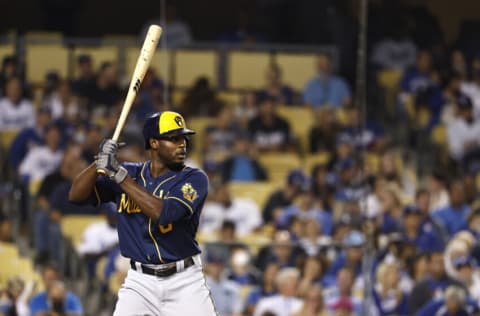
(172, 149)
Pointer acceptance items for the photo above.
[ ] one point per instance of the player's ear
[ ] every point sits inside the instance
(153, 143)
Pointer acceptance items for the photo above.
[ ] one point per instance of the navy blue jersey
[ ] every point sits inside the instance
(172, 236)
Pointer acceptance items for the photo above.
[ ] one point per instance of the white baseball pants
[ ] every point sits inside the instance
(181, 294)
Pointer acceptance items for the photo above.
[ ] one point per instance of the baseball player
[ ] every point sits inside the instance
(158, 204)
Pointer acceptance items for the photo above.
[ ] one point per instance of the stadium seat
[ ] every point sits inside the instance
(43, 58)
(311, 161)
(389, 78)
(199, 124)
(6, 138)
(229, 97)
(44, 36)
(8, 250)
(161, 62)
(279, 165)
(257, 191)
(246, 70)
(192, 64)
(301, 120)
(439, 135)
(177, 96)
(297, 69)
(99, 54)
(73, 226)
(6, 50)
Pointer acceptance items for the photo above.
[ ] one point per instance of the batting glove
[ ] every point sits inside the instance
(109, 146)
(108, 165)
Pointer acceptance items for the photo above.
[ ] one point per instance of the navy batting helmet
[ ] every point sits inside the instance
(164, 124)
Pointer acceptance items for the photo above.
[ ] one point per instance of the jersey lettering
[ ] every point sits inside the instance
(128, 205)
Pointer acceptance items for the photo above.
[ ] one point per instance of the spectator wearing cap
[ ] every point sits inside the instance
(270, 132)
(322, 187)
(285, 303)
(42, 160)
(351, 257)
(463, 135)
(17, 112)
(420, 234)
(274, 87)
(368, 134)
(225, 293)
(342, 295)
(468, 275)
(242, 165)
(322, 136)
(432, 287)
(305, 208)
(454, 216)
(283, 197)
(343, 151)
(455, 303)
(326, 88)
(29, 137)
(84, 83)
(348, 188)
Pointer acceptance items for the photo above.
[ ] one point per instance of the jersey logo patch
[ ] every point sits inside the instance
(189, 193)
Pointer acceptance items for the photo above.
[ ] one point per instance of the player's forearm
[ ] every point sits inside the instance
(83, 184)
(146, 201)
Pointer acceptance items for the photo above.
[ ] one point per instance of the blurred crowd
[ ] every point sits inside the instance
(387, 223)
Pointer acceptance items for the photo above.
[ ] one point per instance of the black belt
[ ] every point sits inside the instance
(163, 272)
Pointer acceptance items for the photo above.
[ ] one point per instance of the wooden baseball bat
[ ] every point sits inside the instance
(143, 62)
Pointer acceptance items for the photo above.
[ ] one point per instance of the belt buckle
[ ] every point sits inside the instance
(164, 272)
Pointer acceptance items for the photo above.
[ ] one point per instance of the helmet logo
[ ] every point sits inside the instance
(179, 121)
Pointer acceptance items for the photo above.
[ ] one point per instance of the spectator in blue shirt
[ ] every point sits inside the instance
(352, 258)
(433, 286)
(418, 233)
(267, 288)
(307, 208)
(242, 166)
(455, 303)
(454, 216)
(56, 297)
(29, 137)
(326, 88)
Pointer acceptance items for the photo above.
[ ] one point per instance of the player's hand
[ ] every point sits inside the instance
(109, 146)
(108, 164)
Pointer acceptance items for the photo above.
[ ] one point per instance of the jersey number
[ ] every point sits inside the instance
(165, 228)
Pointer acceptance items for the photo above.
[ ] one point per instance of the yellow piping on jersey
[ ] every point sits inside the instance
(141, 175)
(97, 195)
(153, 238)
(185, 203)
(158, 186)
(150, 219)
